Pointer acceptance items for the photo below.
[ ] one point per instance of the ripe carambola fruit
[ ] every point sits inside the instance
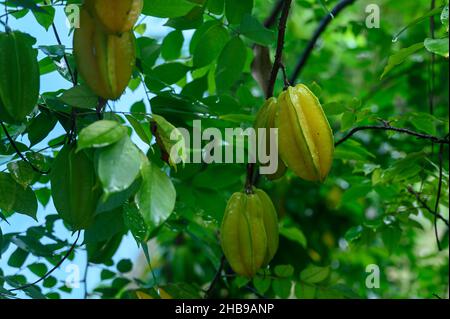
(305, 137)
(19, 76)
(266, 119)
(116, 16)
(75, 190)
(249, 232)
(105, 61)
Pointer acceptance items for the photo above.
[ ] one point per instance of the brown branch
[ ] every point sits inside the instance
(320, 29)
(279, 51)
(425, 205)
(51, 270)
(19, 153)
(387, 127)
(438, 196)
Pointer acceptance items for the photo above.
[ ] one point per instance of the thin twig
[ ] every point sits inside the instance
(19, 153)
(425, 205)
(320, 29)
(86, 269)
(66, 61)
(53, 269)
(279, 51)
(387, 127)
(438, 196)
(216, 277)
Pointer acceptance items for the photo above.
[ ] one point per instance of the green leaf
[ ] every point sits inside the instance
(171, 139)
(105, 226)
(171, 45)
(230, 64)
(192, 20)
(80, 96)
(400, 57)
(148, 52)
(167, 8)
(215, 6)
(107, 274)
(16, 198)
(39, 269)
(135, 223)
(294, 234)
(235, 10)
(284, 271)
(262, 284)
(314, 274)
(210, 45)
(334, 108)
(118, 165)
(22, 173)
(347, 120)
(40, 127)
(49, 282)
(305, 291)
(124, 265)
(100, 134)
(116, 200)
(45, 16)
(17, 258)
(169, 73)
(255, 30)
(143, 133)
(282, 287)
(156, 198)
(437, 46)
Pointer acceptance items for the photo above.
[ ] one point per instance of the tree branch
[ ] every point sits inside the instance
(438, 196)
(51, 270)
(425, 205)
(280, 44)
(19, 153)
(320, 29)
(387, 127)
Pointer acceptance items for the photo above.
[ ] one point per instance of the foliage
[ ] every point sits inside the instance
(211, 62)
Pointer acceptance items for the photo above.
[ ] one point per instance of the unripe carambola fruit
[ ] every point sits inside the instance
(249, 232)
(305, 136)
(105, 61)
(266, 119)
(116, 16)
(19, 76)
(75, 190)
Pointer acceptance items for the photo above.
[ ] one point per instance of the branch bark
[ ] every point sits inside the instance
(277, 64)
(387, 127)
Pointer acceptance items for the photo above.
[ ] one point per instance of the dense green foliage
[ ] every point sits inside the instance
(377, 206)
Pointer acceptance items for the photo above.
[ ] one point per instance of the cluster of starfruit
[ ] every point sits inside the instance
(305, 139)
(249, 231)
(104, 45)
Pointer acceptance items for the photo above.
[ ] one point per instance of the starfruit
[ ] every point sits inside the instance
(249, 232)
(305, 137)
(105, 61)
(116, 16)
(19, 76)
(266, 119)
(75, 190)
